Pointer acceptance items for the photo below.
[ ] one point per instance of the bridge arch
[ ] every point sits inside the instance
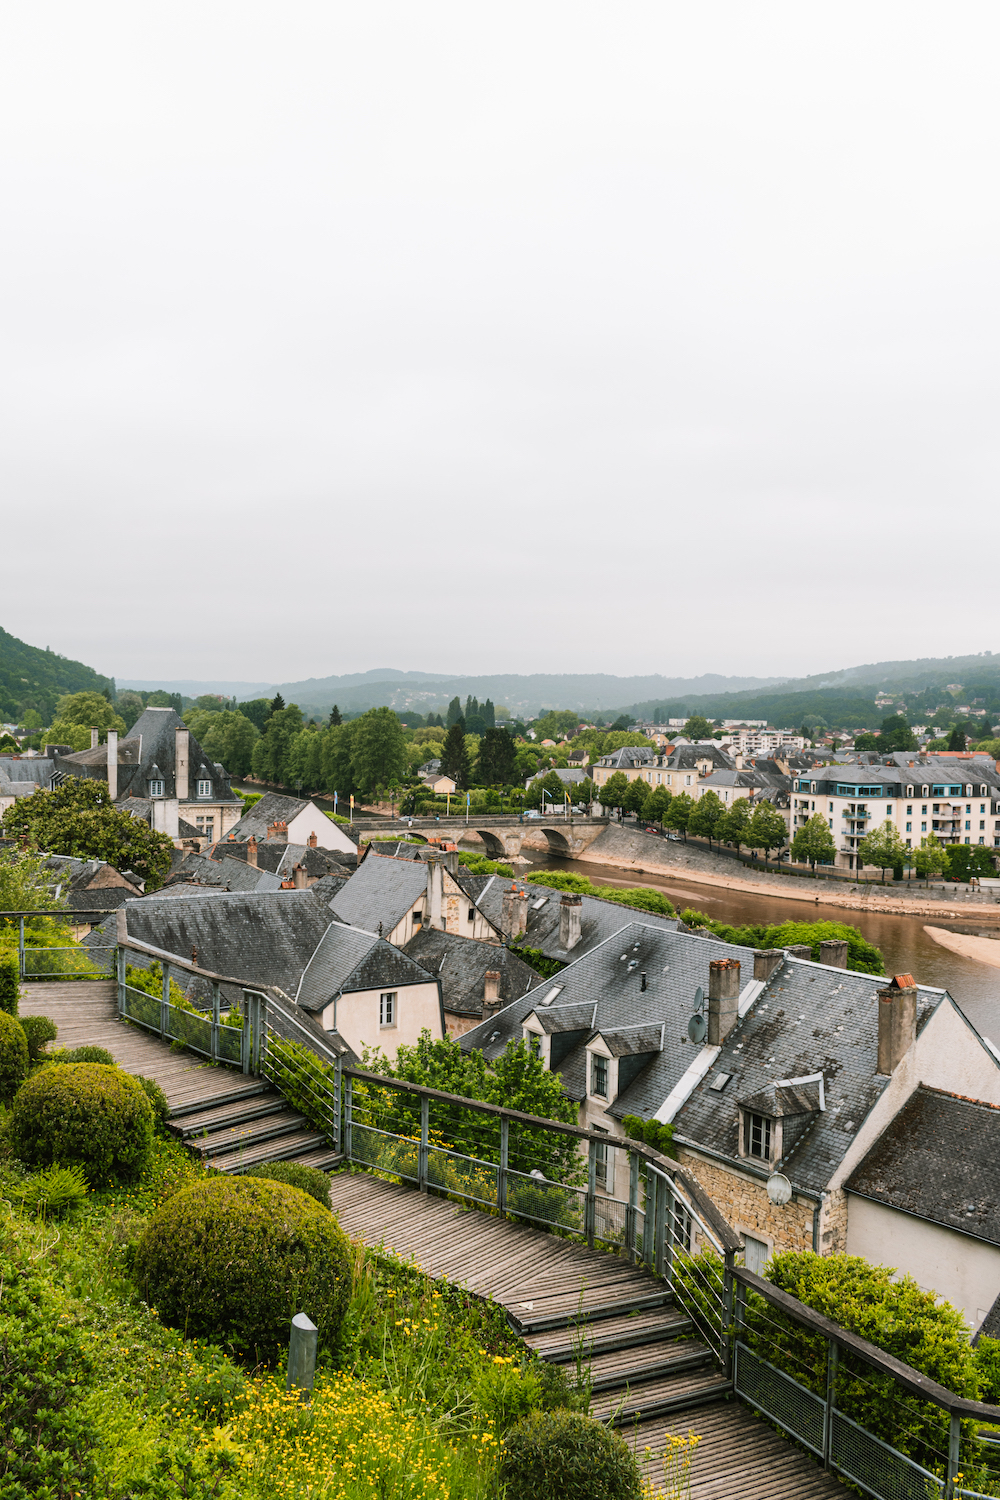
(558, 842)
(494, 846)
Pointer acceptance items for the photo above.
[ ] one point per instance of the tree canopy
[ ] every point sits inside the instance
(455, 754)
(378, 748)
(79, 819)
(814, 844)
(882, 847)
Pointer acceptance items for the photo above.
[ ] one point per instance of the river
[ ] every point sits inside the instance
(906, 947)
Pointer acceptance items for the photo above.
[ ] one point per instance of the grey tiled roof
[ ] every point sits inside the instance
(273, 807)
(811, 1019)
(939, 1158)
(348, 959)
(380, 891)
(598, 918)
(461, 964)
(675, 965)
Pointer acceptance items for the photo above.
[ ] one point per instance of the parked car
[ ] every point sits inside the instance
(674, 838)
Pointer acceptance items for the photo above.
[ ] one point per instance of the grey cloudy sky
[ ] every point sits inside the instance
(548, 336)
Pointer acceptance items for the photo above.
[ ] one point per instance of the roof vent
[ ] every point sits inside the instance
(633, 964)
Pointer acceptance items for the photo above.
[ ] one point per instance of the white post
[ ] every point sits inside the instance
(302, 1355)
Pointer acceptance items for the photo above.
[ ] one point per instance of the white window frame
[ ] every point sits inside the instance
(601, 1158)
(599, 1061)
(388, 1009)
(761, 1127)
(204, 788)
(156, 788)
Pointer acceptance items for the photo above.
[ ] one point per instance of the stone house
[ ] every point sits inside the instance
(399, 897)
(290, 820)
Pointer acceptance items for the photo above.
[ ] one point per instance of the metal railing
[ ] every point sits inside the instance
(65, 961)
(816, 1380)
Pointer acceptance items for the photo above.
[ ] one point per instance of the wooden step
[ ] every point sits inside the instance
(632, 1367)
(632, 1331)
(297, 1147)
(231, 1137)
(205, 1099)
(530, 1323)
(656, 1398)
(228, 1112)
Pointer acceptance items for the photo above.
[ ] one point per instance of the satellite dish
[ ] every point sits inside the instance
(697, 1028)
(699, 1000)
(779, 1189)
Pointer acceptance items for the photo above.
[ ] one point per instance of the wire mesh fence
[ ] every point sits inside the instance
(68, 961)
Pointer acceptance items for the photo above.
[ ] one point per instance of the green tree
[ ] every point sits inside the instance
(454, 755)
(707, 817)
(635, 798)
(584, 792)
(76, 713)
(270, 753)
(129, 705)
(930, 859)
(378, 752)
(767, 829)
(614, 791)
(678, 813)
(277, 703)
(25, 883)
(882, 847)
(956, 740)
(257, 710)
(78, 818)
(497, 758)
(336, 764)
(656, 804)
(736, 823)
(454, 712)
(335, 716)
(966, 862)
(896, 734)
(814, 843)
(697, 728)
(229, 738)
(866, 742)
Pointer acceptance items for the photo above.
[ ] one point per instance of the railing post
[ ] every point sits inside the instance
(649, 1225)
(590, 1205)
(245, 1035)
(425, 1120)
(165, 1002)
(729, 1331)
(832, 1356)
(954, 1455)
(504, 1159)
(338, 1094)
(216, 1011)
(258, 1035)
(348, 1117)
(632, 1212)
(739, 1319)
(20, 947)
(121, 981)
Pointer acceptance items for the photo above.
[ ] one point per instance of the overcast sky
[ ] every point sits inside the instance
(451, 337)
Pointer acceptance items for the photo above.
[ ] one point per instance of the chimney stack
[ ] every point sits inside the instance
(113, 764)
(182, 746)
(897, 1022)
(766, 961)
(570, 920)
(514, 912)
(252, 851)
(312, 841)
(435, 894)
(800, 950)
(491, 992)
(723, 998)
(834, 952)
(299, 877)
(94, 737)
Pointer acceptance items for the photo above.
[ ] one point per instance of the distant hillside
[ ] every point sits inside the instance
(33, 678)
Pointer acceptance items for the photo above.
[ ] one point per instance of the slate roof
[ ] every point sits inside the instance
(811, 1019)
(675, 964)
(273, 807)
(281, 858)
(461, 964)
(151, 742)
(380, 891)
(347, 959)
(571, 776)
(37, 771)
(629, 757)
(226, 874)
(598, 918)
(939, 1158)
(326, 888)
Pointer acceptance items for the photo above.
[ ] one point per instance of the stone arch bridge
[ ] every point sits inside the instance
(502, 838)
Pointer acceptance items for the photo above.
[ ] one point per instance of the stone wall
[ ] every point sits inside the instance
(833, 1224)
(745, 1203)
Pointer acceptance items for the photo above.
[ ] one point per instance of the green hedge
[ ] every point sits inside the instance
(37, 1031)
(307, 1179)
(235, 1258)
(563, 1455)
(10, 984)
(84, 1112)
(14, 1057)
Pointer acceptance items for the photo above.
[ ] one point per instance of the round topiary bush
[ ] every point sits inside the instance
(307, 1179)
(563, 1455)
(14, 1061)
(235, 1258)
(87, 1113)
(38, 1030)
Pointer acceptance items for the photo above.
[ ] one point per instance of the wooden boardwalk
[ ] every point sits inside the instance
(542, 1280)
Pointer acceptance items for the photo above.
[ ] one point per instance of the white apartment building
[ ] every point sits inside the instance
(959, 803)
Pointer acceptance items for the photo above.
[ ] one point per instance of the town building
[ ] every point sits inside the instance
(290, 820)
(399, 897)
(678, 772)
(477, 979)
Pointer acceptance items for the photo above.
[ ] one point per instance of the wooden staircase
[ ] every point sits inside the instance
(242, 1130)
(644, 1355)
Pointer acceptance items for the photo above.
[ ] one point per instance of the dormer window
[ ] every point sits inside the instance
(757, 1136)
(534, 1042)
(155, 788)
(598, 1075)
(204, 789)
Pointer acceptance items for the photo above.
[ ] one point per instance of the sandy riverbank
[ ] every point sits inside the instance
(638, 854)
(983, 949)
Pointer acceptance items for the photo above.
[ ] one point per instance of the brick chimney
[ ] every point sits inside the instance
(252, 851)
(897, 1021)
(723, 998)
(514, 912)
(766, 961)
(277, 831)
(312, 841)
(94, 737)
(182, 748)
(491, 992)
(113, 764)
(833, 951)
(570, 919)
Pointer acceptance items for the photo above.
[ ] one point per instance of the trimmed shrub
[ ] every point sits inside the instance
(307, 1179)
(37, 1031)
(83, 1055)
(653, 1133)
(234, 1259)
(563, 1455)
(10, 984)
(157, 1098)
(87, 1113)
(14, 1059)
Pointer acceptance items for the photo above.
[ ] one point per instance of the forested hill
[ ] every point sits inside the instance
(33, 678)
